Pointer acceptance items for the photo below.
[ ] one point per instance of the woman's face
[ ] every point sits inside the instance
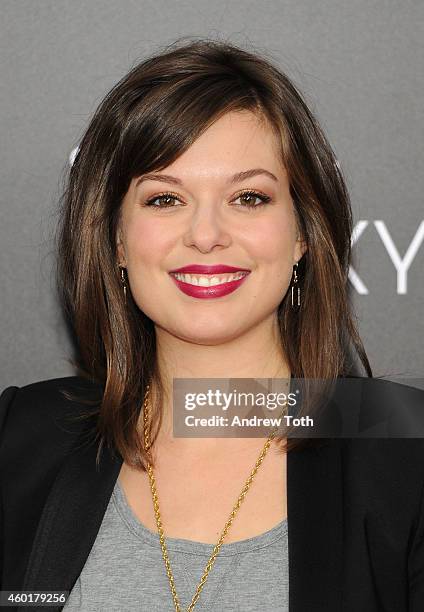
(207, 220)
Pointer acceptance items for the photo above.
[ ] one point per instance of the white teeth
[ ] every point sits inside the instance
(208, 281)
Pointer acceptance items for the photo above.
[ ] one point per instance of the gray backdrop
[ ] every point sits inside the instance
(360, 66)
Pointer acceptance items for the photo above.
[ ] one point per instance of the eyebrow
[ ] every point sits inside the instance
(235, 178)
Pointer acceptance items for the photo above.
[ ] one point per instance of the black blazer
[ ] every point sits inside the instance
(355, 506)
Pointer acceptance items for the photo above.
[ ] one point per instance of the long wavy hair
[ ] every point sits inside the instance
(145, 123)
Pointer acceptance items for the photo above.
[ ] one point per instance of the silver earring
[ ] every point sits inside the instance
(124, 283)
(295, 288)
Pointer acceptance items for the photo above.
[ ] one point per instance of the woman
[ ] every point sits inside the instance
(201, 157)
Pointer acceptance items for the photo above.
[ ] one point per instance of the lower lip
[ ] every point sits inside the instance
(209, 292)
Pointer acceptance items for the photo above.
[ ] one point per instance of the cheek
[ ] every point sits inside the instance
(145, 242)
(272, 247)
(273, 242)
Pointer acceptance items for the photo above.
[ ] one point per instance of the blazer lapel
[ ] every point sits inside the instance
(315, 528)
(81, 492)
(71, 519)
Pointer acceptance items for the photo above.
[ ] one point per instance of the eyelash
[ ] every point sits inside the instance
(265, 199)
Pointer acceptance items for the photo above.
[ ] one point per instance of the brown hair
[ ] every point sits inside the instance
(145, 122)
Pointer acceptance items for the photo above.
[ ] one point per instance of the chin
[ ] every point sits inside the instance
(207, 334)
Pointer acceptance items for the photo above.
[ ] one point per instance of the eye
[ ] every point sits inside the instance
(167, 197)
(249, 196)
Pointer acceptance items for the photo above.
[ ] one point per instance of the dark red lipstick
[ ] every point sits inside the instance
(213, 291)
(209, 269)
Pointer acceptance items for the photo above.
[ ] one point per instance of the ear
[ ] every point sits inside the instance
(299, 249)
(120, 249)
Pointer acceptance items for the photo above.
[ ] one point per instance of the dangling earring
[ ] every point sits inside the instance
(124, 283)
(295, 288)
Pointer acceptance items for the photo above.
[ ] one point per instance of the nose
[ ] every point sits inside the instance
(206, 229)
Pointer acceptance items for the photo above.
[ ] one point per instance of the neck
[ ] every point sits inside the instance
(256, 354)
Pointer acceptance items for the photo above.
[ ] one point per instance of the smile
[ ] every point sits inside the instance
(210, 280)
(208, 286)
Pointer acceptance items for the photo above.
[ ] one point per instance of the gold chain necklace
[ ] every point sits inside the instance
(217, 547)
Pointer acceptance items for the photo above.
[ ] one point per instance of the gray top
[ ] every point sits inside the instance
(125, 570)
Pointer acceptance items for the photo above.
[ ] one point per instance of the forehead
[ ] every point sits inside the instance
(236, 141)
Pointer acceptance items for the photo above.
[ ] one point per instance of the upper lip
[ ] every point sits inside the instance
(200, 269)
